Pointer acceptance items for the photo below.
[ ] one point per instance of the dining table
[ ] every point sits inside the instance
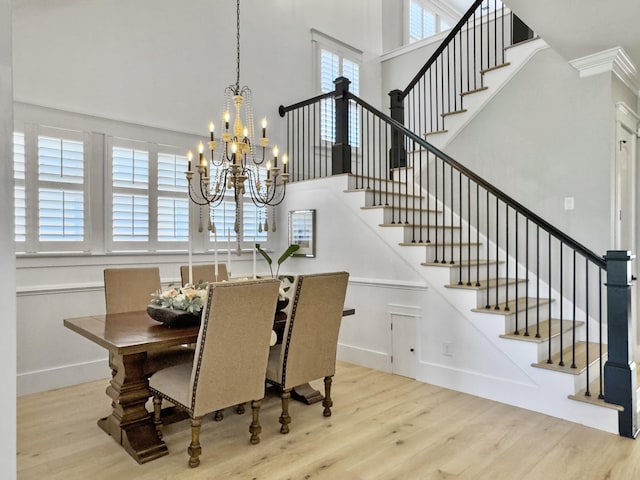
(129, 337)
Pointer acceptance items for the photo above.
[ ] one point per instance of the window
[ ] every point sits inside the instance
(130, 198)
(333, 65)
(19, 195)
(424, 21)
(50, 196)
(173, 204)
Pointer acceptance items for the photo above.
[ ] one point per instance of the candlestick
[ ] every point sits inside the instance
(211, 128)
(215, 253)
(254, 262)
(189, 159)
(264, 128)
(228, 251)
(190, 261)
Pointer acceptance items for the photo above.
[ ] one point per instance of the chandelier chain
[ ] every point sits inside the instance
(237, 47)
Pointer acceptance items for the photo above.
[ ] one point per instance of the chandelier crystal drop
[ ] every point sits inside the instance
(235, 165)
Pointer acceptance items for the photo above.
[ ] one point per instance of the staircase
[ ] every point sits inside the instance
(505, 309)
(531, 296)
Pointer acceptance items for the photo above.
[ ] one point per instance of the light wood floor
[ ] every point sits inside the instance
(383, 427)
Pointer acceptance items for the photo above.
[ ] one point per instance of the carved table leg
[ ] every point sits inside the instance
(129, 423)
(306, 394)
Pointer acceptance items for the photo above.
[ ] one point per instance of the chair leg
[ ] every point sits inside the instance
(218, 416)
(327, 403)
(157, 410)
(255, 429)
(240, 408)
(195, 449)
(285, 419)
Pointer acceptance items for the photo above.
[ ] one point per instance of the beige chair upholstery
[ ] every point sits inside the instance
(231, 357)
(308, 351)
(129, 290)
(204, 273)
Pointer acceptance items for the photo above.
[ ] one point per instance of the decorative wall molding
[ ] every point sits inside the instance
(614, 60)
(383, 283)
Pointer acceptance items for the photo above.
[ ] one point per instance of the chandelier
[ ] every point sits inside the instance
(237, 164)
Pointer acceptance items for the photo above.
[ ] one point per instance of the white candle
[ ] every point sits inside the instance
(228, 251)
(190, 261)
(254, 262)
(215, 253)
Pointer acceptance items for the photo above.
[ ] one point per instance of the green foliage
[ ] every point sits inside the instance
(291, 249)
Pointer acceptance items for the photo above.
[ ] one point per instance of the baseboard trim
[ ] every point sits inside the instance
(363, 357)
(42, 380)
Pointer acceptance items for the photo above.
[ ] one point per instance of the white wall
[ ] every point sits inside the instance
(7, 279)
(165, 63)
(157, 63)
(545, 136)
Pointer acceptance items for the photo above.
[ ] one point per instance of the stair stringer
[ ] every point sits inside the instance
(517, 56)
(522, 385)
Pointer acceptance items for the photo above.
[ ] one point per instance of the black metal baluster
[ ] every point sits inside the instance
(587, 392)
(573, 335)
(428, 199)
(477, 235)
(538, 281)
(487, 306)
(601, 393)
(549, 292)
(506, 236)
(497, 306)
(451, 262)
(468, 234)
(517, 303)
(526, 286)
(561, 362)
(435, 164)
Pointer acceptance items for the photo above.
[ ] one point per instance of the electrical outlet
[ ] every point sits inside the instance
(568, 203)
(447, 349)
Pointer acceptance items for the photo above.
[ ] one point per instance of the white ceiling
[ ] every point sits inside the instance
(577, 28)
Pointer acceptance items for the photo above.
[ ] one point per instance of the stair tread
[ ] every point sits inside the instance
(567, 325)
(368, 177)
(495, 67)
(433, 244)
(513, 305)
(435, 132)
(580, 358)
(377, 190)
(423, 210)
(594, 398)
(482, 284)
(453, 112)
(411, 225)
(465, 263)
(476, 90)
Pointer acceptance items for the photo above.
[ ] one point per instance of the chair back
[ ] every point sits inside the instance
(311, 334)
(130, 289)
(230, 362)
(205, 273)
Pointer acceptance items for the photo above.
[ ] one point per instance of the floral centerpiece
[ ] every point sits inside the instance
(178, 305)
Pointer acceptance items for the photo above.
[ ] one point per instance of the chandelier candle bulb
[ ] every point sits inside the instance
(226, 118)
(285, 160)
(275, 156)
(189, 159)
(268, 170)
(211, 130)
(264, 128)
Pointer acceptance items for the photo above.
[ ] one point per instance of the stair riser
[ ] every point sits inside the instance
(510, 320)
(414, 217)
(594, 373)
(425, 234)
(504, 293)
(382, 186)
(473, 273)
(443, 252)
(393, 199)
(567, 338)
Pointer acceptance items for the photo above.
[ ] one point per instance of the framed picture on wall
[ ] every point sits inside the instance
(302, 231)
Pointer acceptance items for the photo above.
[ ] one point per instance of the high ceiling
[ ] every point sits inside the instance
(577, 28)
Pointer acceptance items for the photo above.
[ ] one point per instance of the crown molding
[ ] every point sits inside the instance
(613, 60)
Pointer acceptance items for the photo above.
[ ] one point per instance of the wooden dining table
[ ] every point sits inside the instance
(129, 337)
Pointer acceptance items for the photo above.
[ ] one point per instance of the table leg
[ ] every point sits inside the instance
(129, 423)
(306, 394)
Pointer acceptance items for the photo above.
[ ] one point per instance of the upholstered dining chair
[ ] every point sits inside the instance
(308, 349)
(230, 361)
(205, 273)
(129, 290)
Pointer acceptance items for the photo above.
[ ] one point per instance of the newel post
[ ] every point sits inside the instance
(341, 150)
(620, 379)
(397, 153)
